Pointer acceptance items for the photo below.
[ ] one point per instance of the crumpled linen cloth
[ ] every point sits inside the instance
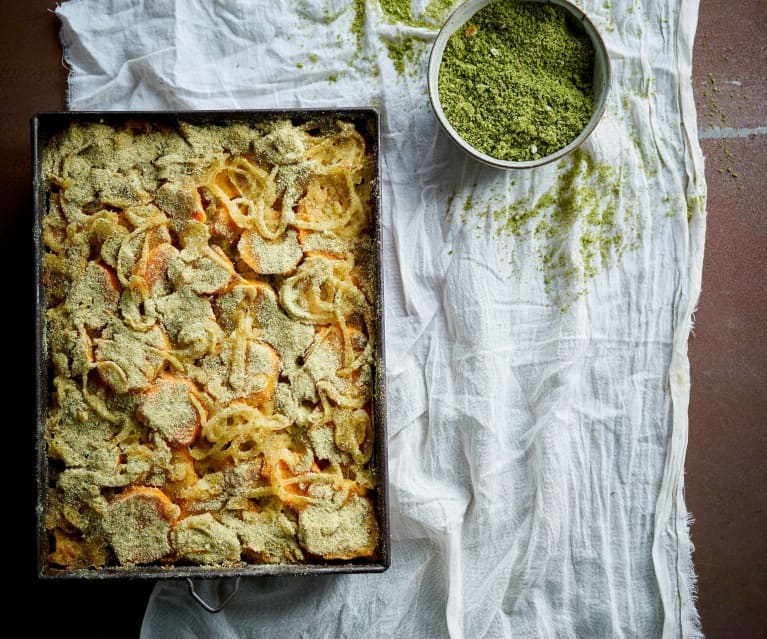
(538, 377)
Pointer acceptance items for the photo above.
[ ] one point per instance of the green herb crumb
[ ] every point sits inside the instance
(516, 81)
(581, 207)
(400, 51)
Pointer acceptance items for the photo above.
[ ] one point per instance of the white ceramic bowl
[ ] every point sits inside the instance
(600, 82)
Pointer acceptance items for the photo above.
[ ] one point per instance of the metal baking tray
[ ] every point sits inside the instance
(44, 125)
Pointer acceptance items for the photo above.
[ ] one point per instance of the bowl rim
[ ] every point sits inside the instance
(462, 14)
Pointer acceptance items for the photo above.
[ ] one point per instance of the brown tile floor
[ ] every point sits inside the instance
(726, 468)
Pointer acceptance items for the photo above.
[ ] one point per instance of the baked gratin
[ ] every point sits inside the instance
(210, 308)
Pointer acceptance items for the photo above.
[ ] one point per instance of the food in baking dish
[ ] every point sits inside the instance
(210, 328)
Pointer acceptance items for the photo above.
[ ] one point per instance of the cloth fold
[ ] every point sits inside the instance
(536, 321)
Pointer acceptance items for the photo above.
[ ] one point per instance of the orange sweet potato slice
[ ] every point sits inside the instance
(138, 524)
(182, 204)
(156, 268)
(334, 532)
(267, 374)
(169, 407)
(270, 257)
(73, 552)
(94, 295)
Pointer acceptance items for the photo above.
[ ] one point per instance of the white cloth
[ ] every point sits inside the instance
(537, 407)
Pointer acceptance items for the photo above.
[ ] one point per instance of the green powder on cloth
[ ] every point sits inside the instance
(516, 80)
(405, 45)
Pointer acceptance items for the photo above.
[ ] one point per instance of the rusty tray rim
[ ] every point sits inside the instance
(43, 125)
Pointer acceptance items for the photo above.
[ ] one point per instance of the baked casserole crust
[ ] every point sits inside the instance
(210, 308)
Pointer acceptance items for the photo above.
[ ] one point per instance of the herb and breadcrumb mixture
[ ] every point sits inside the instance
(515, 81)
(210, 326)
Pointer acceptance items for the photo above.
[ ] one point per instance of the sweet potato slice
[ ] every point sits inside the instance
(270, 257)
(138, 524)
(74, 552)
(182, 204)
(170, 406)
(94, 295)
(156, 269)
(339, 532)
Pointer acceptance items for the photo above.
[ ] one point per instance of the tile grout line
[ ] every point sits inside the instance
(730, 132)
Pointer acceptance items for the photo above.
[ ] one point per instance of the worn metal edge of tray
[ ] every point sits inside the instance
(46, 123)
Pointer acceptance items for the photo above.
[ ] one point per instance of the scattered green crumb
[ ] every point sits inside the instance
(328, 16)
(581, 205)
(358, 22)
(405, 49)
(400, 51)
(697, 202)
(401, 12)
(709, 100)
(397, 10)
(438, 10)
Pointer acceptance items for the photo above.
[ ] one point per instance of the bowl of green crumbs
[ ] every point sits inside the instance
(518, 83)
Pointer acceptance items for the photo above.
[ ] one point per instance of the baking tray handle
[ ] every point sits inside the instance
(222, 604)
